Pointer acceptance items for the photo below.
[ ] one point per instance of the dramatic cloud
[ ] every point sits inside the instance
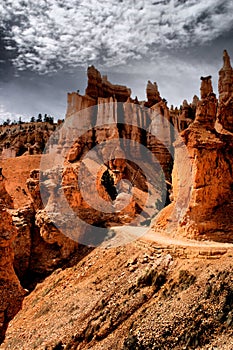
(47, 35)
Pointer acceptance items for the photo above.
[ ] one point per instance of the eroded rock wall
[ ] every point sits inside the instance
(11, 291)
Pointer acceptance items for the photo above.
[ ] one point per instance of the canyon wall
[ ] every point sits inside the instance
(11, 291)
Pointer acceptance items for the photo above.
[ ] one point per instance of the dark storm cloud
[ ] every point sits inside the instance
(50, 34)
(172, 42)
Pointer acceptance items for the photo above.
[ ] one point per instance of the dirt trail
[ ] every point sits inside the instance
(181, 247)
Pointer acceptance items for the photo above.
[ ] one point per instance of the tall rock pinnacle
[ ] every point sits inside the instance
(206, 86)
(207, 106)
(153, 95)
(225, 88)
(225, 83)
(226, 60)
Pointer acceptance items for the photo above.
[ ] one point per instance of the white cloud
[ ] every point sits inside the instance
(50, 34)
(4, 114)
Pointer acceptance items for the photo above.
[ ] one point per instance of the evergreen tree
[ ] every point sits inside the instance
(39, 119)
(7, 122)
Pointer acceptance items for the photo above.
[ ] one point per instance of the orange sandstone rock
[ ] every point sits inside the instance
(225, 87)
(11, 291)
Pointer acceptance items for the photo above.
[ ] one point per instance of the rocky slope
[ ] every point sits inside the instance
(139, 296)
(25, 138)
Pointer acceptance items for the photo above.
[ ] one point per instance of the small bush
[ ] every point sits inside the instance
(152, 278)
(186, 279)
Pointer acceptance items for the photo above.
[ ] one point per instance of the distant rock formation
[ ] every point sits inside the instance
(25, 138)
(153, 95)
(183, 117)
(225, 87)
(99, 86)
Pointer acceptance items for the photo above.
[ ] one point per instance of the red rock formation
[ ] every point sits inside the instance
(206, 86)
(159, 137)
(183, 117)
(10, 289)
(153, 95)
(109, 121)
(99, 86)
(202, 177)
(22, 245)
(76, 102)
(194, 103)
(5, 198)
(207, 106)
(225, 87)
(107, 118)
(225, 84)
(26, 138)
(33, 185)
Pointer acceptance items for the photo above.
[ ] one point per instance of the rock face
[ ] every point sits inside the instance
(76, 102)
(35, 246)
(47, 246)
(106, 117)
(33, 185)
(202, 175)
(225, 86)
(5, 198)
(10, 290)
(22, 245)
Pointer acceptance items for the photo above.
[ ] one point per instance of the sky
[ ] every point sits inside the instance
(47, 45)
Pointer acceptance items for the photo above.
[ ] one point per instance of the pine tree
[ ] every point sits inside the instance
(39, 119)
